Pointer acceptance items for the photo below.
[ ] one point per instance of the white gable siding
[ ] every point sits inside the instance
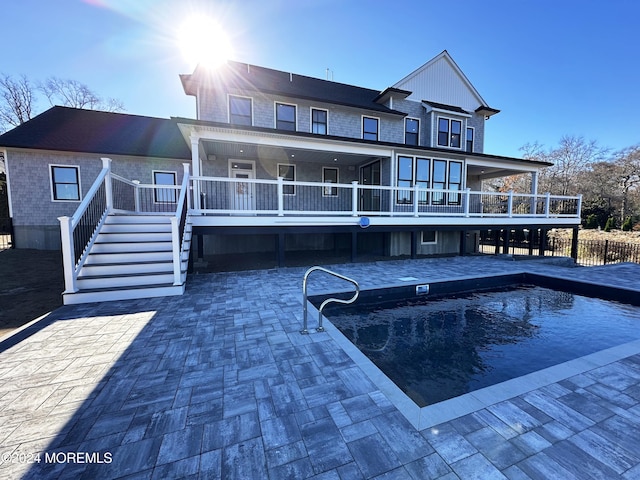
(440, 82)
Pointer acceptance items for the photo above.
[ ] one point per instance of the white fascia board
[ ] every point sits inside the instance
(280, 140)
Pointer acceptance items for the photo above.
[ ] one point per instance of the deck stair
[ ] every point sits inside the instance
(132, 257)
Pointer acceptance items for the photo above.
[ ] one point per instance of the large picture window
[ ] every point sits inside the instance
(240, 111)
(65, 183)
(319, 121)
(285, 117)
(370, 128)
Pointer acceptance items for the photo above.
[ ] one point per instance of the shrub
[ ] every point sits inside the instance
(627, 225)
(611, 224)
(592, 222)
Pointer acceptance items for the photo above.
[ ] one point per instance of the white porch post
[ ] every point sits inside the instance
(534, 192)
(137, 195)
(467, 195)
(195, 168)
(510, 204)
(354, 198)
(281, 196)
(415, 200)
(108, 192)
(579, 210)
(175, 243)
(68, 257)
(547, 205)
(185, 167)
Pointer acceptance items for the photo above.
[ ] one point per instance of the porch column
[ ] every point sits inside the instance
(195, 168)
(534, 192)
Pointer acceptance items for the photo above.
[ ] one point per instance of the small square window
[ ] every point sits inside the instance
(429, 237)
(65, 183)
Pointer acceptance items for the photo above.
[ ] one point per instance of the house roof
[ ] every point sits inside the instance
(448, 108)
(243, 77)
(92, 131)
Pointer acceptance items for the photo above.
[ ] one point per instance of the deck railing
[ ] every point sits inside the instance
(223, 196)
(113, 193)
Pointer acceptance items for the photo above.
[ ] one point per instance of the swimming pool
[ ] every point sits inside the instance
(467, 335)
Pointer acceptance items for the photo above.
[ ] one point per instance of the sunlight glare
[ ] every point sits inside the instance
(203, 41)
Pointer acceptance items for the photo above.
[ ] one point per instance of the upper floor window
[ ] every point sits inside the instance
(240, 110)
(164, 195)
(469, 144)
(285, 117)
(411, 129)
(319, 121)
(370, 128)
(449, 132)
(65, 183)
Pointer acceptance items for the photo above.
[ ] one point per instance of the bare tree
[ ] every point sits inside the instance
(72, 93)
(18, 101)
(626, 174)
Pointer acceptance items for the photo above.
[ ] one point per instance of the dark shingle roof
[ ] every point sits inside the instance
(92, 131)
(236, 76)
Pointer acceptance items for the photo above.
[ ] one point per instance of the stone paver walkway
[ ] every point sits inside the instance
(218, 383)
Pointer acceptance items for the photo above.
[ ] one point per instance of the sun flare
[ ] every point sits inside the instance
(203, 41)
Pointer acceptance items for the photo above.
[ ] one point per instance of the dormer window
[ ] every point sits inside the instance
(370, 128)
(285, 117)
(449, 132)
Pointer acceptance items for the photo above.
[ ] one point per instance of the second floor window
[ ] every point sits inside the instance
(449, 132)
(319, 121)
(285, 117)
(469, 147)
(240, 111)
(369, 128)
(411, 128)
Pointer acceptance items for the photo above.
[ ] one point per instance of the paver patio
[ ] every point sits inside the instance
(219, 383)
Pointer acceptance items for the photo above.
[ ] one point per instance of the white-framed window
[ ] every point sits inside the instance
(370, 128)
(470, 138)
(285, 116)
(319, 121)
(65, 183)
(411, 131)
(429, 237)
(428, 173)
(449, 132)
(288, 173)
(164, 195)
(240, 110)
(330, 175)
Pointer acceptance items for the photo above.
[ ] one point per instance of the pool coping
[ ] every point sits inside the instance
(429, 416)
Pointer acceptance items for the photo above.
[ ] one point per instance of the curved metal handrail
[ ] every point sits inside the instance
(327, 301)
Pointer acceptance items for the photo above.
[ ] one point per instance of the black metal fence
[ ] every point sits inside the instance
(6, 234)
(589, 252)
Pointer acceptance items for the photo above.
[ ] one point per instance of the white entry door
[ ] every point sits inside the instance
(242, 193)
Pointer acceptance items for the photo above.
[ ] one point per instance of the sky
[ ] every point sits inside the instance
(553, 67)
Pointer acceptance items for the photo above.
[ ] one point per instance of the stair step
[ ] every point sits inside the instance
(122, 293)
(136, 228)
(136, 219)
(128, 247)
(124, 280)
(129, 256)
(133, 237)
(119, 268)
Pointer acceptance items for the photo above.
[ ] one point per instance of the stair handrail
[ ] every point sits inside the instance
(320, 328)
(75, 250)
(178, 223)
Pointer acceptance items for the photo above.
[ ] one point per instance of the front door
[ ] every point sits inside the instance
(370, 198)
(242, 193)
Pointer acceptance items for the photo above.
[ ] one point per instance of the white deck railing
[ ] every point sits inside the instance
(224, 196)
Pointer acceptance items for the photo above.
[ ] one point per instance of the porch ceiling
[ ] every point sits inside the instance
(251, 151)
(486, 172)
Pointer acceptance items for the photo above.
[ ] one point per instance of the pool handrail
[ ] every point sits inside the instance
(320, 328)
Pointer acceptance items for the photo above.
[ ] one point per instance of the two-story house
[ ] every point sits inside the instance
(274, 162)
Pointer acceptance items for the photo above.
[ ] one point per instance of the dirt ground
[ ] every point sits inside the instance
(31, 284)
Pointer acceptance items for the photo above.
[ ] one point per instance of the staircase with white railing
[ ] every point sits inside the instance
(132, 248)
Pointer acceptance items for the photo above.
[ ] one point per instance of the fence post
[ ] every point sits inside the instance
(280, 196)
(354, 198)
(68, 255)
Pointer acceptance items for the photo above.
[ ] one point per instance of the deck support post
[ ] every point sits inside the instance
(574, 244)
(543, 242)
(414, 244)
(280, 239)
(463, 243)
(506, 238)
(531, 237)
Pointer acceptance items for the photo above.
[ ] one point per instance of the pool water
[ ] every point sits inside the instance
(439, 348)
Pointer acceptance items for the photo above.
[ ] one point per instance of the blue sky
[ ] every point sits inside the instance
(553, 68)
